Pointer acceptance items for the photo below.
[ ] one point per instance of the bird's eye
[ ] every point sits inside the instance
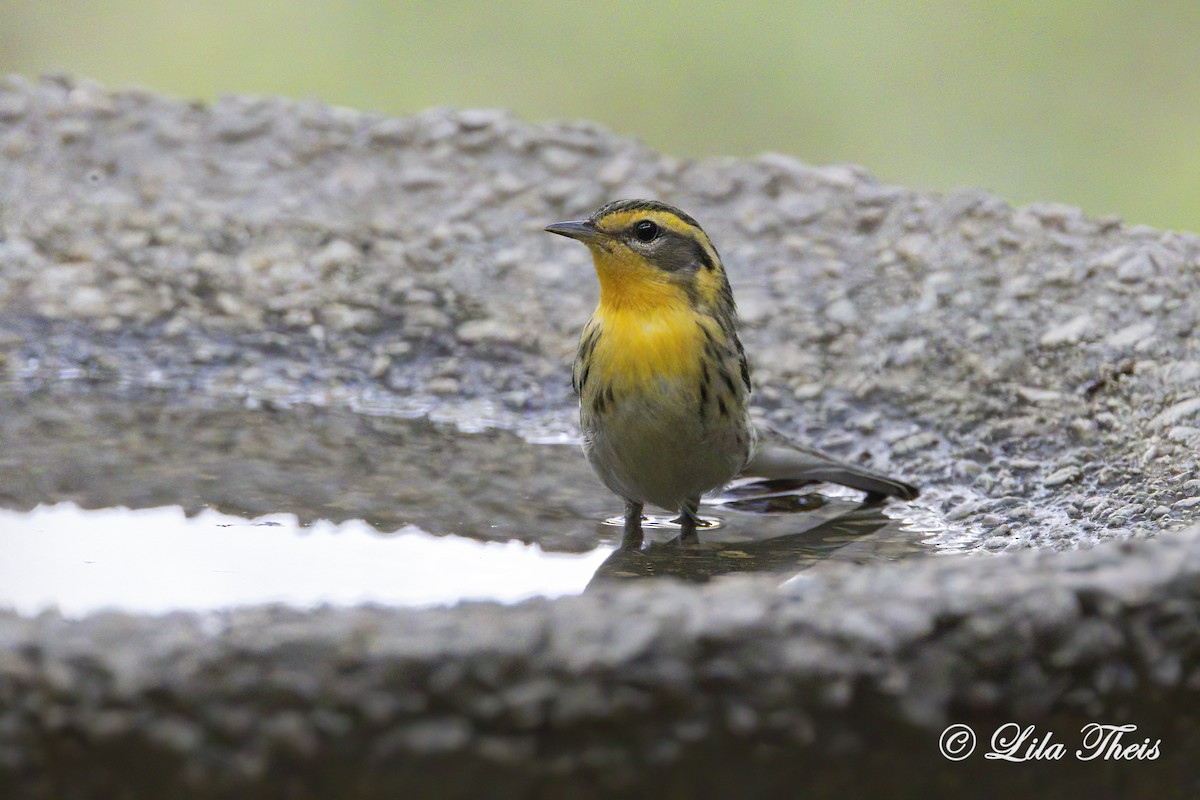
(645, 231)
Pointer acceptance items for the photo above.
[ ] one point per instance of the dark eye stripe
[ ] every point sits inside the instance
(702, 255)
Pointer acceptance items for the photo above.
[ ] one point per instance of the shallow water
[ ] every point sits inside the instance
(158, 503)
(159, 560)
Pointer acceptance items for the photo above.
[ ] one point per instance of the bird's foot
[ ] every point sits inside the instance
(632, 538)
(687, 521)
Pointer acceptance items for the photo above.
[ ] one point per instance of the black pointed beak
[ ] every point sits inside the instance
(581, 229)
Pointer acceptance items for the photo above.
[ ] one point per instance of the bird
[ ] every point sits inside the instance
(662, 378)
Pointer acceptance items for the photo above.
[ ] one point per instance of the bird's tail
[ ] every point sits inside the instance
(778, 462)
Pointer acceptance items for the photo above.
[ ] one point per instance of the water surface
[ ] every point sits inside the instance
(159, 560)
(158, 503)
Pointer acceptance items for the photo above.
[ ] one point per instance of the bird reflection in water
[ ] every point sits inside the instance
(817, 528)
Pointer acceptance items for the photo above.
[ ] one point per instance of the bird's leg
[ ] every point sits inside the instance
(632, 538)
(688, 517)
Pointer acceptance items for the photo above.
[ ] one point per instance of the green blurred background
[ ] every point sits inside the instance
(1095, 104)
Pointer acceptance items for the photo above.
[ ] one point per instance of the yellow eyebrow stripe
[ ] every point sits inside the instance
(623, 219)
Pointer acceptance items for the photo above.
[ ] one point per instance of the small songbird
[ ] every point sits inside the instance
(662, 379)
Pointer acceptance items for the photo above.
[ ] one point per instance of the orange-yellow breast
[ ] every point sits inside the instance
(635, 350)
(648, 327)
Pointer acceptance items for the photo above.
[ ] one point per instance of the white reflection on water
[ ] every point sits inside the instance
(157, 560)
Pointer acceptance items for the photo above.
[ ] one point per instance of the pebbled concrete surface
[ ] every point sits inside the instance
(1036, 370)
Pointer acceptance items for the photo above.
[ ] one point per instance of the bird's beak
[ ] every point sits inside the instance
(581, 229)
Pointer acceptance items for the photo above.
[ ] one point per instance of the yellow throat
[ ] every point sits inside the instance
(650, 328)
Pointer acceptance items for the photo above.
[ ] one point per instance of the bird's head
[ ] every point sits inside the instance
(649, 255)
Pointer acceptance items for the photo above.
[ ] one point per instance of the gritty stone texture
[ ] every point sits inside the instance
(1035, 371)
